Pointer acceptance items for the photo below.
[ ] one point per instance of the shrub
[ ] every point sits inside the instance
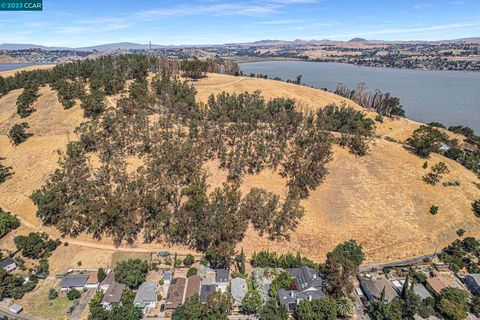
(52, 294)
(191, 272)
(379, 118)
(476, 207)
(434, 209)
(5, 172)
(73, 294)
(101, 275)
(460, 232)
(189, 260)
(18, 133)
(425, 165)
(436, 173)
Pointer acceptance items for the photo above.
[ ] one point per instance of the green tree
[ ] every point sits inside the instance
(320, 309)
(189, 260)
(476, 207)
(436, 173)
(453, 303)
(101, 275)
(8, 222)
(345, 307)
(73, 294)
(426, 140)
(191, 272)
(251, 302)
(191, 309)
(240, 261)
(427, 308)
(283, 281)
(272, 311)
(26, 99)
(194, 68)
(131, 272)
(18, 133)
(341, 266)
(5, 172)
(35, 244)
(93, 104)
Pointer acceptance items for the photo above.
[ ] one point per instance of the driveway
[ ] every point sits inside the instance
(82, 304)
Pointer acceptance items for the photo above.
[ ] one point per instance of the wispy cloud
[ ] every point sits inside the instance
(277, 22)
(396, 31)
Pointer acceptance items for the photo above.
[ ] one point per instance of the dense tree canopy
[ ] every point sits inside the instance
(35, 244)
(320, 309)
(158, 122)
(426, 140)
(131, 272)
(8, 222)
(341, 266)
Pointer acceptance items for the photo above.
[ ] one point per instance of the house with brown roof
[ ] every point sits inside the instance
(175, 294)
(113, 295)
(193, 286)
(439, 282)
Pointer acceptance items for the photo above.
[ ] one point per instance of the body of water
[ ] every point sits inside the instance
(13, 66)
(449, 97)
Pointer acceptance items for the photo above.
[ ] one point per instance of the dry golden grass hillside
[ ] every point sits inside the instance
(380, 199)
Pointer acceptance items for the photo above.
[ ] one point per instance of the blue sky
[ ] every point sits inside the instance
(82, 23)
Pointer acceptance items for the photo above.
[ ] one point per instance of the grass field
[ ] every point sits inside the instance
(37, 302)
(380, 199)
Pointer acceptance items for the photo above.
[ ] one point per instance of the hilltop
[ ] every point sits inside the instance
(380, 199)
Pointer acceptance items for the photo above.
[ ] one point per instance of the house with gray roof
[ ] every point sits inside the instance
(306, 278)
(8, 264)
(472, 281)
(221, 279)
(146, 297)
(421, 291)
(290, 298)
(238, 289)
(73, 281)
(309, 285)
(374, 288)
(113, 295)
(206, 290)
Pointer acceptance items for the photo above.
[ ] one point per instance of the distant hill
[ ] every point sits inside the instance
(358, 40)
(263, 43)
(25, 46)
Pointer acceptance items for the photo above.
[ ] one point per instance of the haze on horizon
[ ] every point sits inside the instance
(195, 22)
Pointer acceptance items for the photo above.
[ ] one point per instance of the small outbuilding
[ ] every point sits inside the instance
(15, 308)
